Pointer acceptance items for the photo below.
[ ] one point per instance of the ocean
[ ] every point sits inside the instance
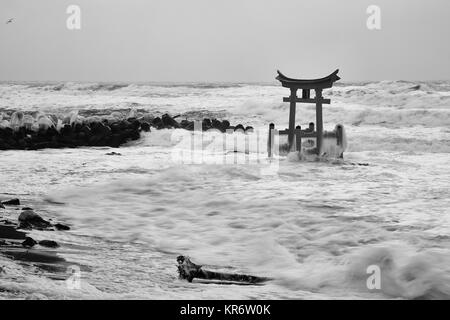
(312, 226)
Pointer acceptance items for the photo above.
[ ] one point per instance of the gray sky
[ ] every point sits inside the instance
(226, 40)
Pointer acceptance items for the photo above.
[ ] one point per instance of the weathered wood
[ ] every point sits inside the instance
(301, 100)
(298, 138)
(322, 83)
(303, 134)
(189, 271)
(270, 140)
(306, 94)
(292, 107)
(319, 121)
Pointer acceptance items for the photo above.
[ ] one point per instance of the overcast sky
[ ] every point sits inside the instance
(226, 40)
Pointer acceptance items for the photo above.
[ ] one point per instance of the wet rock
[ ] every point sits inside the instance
(188, 125)
(60, 226)
(145, 126)
(12, 202)
(206, 124)
(28, 219)
(239, 128)
(48, 243)
(29, 242)
(216, 124)
(157, 122)
(169, 122)
(134, 124)
(225, 124)
(10, 232)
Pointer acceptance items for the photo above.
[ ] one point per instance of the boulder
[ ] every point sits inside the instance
(239, 128)
(216, 124)
(206, 124)
(28, 219)
(60, 226)
(12, 202)
(48, 243)
(29, 242)
(169, 122)
(225, 125)
(145, 126)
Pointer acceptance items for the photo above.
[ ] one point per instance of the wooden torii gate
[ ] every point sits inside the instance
(306, 86)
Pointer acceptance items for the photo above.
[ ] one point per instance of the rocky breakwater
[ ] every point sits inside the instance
(20, 131)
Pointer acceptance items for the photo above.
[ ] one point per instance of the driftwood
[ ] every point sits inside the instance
(189, 271)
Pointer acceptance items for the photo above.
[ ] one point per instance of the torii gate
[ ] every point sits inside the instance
(306, 85)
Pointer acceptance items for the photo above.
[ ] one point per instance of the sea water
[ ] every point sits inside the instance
(312, 226)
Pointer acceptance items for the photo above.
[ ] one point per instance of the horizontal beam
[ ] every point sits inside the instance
(302, 133)
(301, 100)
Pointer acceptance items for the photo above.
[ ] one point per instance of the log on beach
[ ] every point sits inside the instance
(189, 271)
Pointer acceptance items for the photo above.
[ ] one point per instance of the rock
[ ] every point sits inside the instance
(29, 242)
(206, 124)
(145, 126)
(157, 122)
(27, 208)
(225, 125)
(10, 232)
(2, 206)
(190, 126)
(248, 129)
(12, 202)
(48, 243)
(113, 154)
(216, 124)
(60, 226)
(239, 128)
(29, 219)
(170, 122)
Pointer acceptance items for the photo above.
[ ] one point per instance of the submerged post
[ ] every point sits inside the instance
(270, 140)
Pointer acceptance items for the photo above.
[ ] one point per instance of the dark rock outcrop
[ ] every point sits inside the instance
(60, 226)
(29, 242)
(12, 202)
(28, 219)
(48, 243)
